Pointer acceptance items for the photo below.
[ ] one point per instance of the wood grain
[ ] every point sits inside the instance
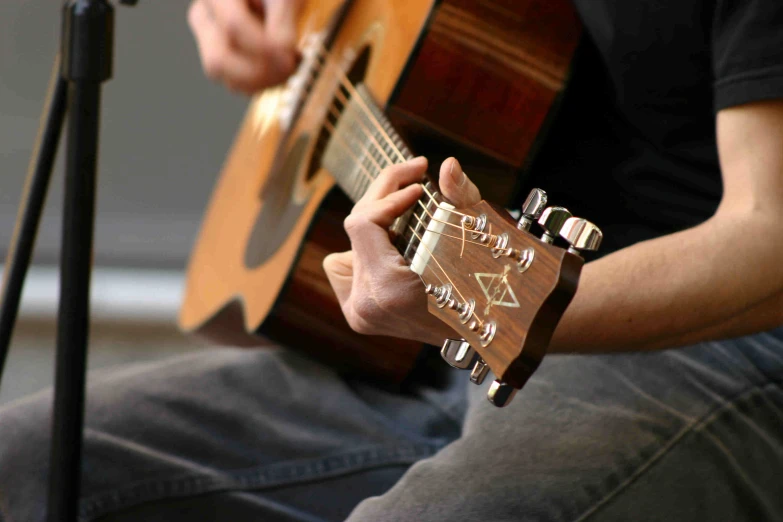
(488, 73)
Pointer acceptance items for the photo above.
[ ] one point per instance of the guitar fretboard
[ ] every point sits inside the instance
(362, 143)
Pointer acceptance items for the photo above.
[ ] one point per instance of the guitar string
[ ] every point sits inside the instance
(430, 269)
(454, 237)
(367, 153)
(346, 82)
(473, 314)
(416, 253)
(324, 53)
(345, 101)
(445, 273)
(327, 62)
(327, 55)
(389, 161)
(335, 112)
(379, 147)
(352, 153)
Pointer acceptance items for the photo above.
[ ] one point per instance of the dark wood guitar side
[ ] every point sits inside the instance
(476, 80)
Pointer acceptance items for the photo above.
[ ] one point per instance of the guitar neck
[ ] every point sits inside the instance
(363, 142)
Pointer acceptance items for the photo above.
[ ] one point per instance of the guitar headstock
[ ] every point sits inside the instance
(502, 289)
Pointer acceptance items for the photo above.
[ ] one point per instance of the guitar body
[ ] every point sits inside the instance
(475, 80)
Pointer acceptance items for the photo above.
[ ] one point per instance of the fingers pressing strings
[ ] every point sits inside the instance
(356, 159)
(349, 149)
(327, 63)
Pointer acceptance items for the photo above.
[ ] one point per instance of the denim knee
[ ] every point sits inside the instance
(24, 458)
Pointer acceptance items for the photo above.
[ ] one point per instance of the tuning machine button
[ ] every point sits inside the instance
(532, 208)
(442, 294)
(474, 225)
(479, 372)
(501, 394)
(552, 220)
(581, 235)
(458, 353)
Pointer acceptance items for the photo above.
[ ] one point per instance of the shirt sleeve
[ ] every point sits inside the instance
(747, 51)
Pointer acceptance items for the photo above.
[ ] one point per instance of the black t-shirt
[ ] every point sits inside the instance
(633, 146)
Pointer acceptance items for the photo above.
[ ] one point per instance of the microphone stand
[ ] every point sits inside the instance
(87, 46)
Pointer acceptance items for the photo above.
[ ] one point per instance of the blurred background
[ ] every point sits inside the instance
(165, 130)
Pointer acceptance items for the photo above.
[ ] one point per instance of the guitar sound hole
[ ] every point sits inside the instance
(355, 75)
(280, 211)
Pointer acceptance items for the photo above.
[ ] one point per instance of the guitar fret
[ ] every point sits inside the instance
(357, 149)
(418, 223)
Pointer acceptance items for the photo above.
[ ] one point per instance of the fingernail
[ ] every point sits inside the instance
(459, 180)
(417, 160)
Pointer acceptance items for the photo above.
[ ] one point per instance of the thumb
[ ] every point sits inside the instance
(455, 185)
(339, 271)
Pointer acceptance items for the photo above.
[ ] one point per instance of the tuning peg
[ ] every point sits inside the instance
(552, 220)
(532, 208)
(458, 353)
(500, 394)
(581, 235)
(479, 372)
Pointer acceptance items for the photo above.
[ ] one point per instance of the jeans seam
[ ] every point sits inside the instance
(254, 478)
(705, 420)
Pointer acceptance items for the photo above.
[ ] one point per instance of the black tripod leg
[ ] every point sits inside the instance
(73, 325)
(87, 61)
(30, 209)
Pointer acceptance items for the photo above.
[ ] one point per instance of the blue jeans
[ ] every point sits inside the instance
(687, 434)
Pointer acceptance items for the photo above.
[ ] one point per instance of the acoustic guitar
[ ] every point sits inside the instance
(378, 78)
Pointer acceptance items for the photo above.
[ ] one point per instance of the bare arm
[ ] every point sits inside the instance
(722, 278)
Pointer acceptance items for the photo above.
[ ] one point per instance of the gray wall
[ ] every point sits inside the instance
(165, 131)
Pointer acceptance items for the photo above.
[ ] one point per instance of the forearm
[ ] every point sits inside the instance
(761, 317)
(720, 279)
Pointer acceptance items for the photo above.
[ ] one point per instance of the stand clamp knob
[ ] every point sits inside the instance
(458, 353)
(532, 208)
(581, 235)
(552, 220)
